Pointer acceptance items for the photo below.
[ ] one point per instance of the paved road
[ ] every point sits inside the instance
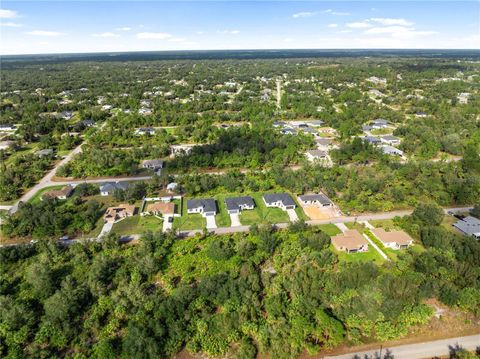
(46, 181)
(431, 349)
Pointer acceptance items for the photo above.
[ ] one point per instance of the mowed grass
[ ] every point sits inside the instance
(369, 256)
(137, 225)
(329, 229)
(222, 218)
(386, 224)
(262, 214)
(38, 196)
(188, 221)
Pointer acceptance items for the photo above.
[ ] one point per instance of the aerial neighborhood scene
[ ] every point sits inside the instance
(229, 179)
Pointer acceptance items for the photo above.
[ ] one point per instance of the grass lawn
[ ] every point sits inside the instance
(188, 221)
(137, 225)
(381, 131)
(386, 224)
(370, 256)
(329, 229)
(447, 223)
(222, 218)
(262, 214)
(355, 225)
(37, 197)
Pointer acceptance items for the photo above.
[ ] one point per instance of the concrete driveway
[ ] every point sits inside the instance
(342, 227)
(107, 227)
(211, 222)
(166, 224)
(235, 218)
(292, 215)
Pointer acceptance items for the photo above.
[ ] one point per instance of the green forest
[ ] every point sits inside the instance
(280, 293)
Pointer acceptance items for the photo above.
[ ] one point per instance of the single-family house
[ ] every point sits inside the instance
(66, 115)
(287, 131)
(145, 131)
(205, 206)
(317, 199)
(279, 124)
(145, 111)
(316, 155)
(463, 97)
(7, 127)
(393, 239)
(316, 123)
(470, 226)
(184, 149)
(324, 144)
(372, 140)
(107, 188)
(4, 145)
(163, 208)
(88, 122)
(377, 80)
(366, 128)
(309, 130)
(392, 151)
(280, 200)
(390, 140)
(62, 193)
(238, 204)
(45, 153)
(379, 123)
(172, 186)
(117, 213)
(421, 114)
(350, 241)
(153, 165)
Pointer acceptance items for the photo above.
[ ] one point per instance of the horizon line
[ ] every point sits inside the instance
(236, 50)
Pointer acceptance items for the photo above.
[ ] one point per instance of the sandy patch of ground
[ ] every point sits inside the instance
(315, 212)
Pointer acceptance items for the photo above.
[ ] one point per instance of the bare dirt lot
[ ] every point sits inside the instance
(315, 212)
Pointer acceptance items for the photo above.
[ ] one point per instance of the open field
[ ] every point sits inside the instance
(137, 224)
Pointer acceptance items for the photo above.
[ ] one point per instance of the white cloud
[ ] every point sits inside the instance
(337, 13)
(10, 24)
(177, 39)
(344, 31)
(106, 34)
(391, 21)
(44, 33)
(229, 32)
(333, 25)
(359, 25)
(7, 14)
(126, 28)
(400, 32)
(154, 35)
(288, 39)
(303, 14)
(200, 32)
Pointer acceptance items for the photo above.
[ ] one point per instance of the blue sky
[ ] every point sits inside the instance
(96, 26)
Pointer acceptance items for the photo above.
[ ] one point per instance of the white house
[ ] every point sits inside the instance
(205, 207)
(279, 200)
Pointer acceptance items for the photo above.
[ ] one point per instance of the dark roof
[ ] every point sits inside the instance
(208, 204)
(315, 197)
(285, 198)
(390, 138)
(236, 202)
(153, 163)
(112, 186)
(469, 225)
(323, 141)
(371, 139)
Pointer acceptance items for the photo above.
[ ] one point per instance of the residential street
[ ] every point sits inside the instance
(432, 349)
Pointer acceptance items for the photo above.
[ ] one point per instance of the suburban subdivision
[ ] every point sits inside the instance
(233, 204)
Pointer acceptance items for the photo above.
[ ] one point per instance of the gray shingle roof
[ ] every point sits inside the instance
(315, 197)
(235, 202)
(208, 204)
(285, 198)
(110, 187)
(469, 225)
